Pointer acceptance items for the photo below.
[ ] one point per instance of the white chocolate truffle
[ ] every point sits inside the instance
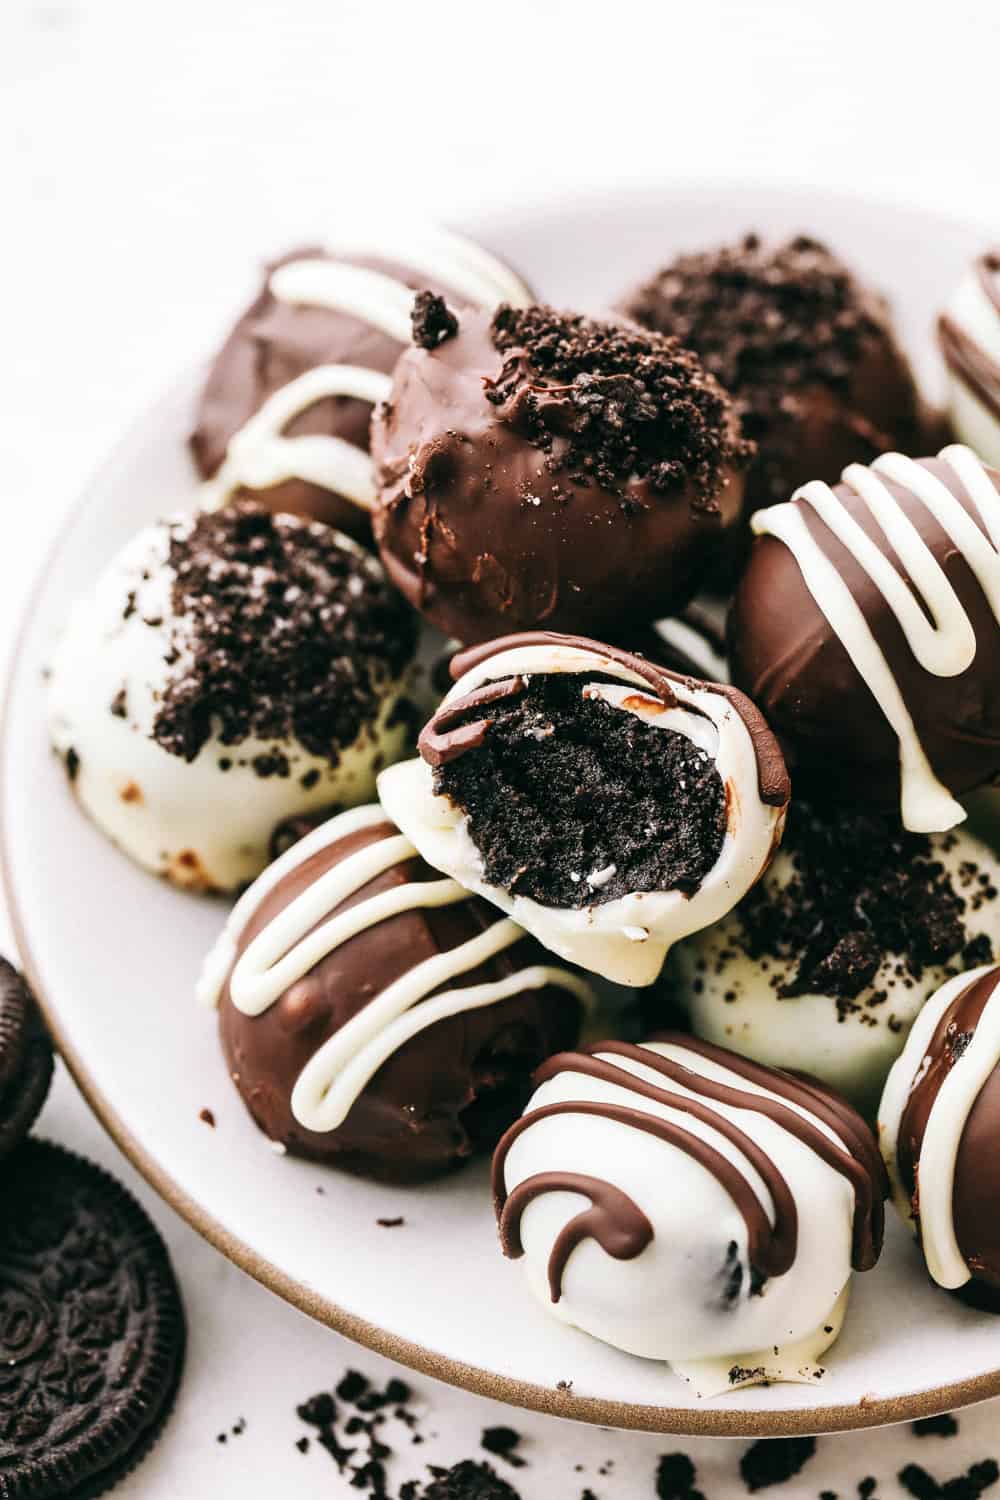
(225, 673)
(938, 1125)
(609, 806)
(826, 965)
(969, 336)
(683, 1204)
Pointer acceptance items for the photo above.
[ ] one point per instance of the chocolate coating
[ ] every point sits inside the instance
(448, 1091)
(976, 1191)
(273, 343)
(785, 655)
(499, 508)
(807, 352)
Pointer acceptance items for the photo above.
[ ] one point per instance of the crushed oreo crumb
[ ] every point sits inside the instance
(287, 635)
(552, 755)
(768, 323)
(390, 1223)
(119, 704)
(432, 320)
(861, 887)
(775, 1460)
(622, 402)
(72, 764)
(467, 1480)
(675, 1478)
(503, 1441)
(968, 1486)
(944, 1425)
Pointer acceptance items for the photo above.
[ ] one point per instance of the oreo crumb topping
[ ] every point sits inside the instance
(610, 403)
(281, 632)
(767, 323)
(861, 888)
(432, 320)
(775, 1460)
(575, 803)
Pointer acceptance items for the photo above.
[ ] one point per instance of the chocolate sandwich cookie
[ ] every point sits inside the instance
(92, 1328)
(25, 1059)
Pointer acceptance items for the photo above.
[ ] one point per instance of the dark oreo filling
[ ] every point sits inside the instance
(566, 786)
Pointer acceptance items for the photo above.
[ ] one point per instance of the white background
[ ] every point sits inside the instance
(152, 153)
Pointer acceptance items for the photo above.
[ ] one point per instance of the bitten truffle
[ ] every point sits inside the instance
(969, 339)
(542, 468)
(806, 351)
(826, 963)
(227, 672)
(285, 411)
(375, 1015)
(939, 1124)
(867, 628)
(684, 1204)
(609, 805)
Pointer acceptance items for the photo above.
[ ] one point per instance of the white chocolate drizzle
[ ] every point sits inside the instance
(259, 455)
(944, 644)
(288, 948)
(946, 1121)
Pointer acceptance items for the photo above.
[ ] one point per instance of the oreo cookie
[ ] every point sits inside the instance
(92, 1330)
(25, 1059)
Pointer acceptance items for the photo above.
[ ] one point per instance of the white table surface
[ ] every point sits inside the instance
(150, 155)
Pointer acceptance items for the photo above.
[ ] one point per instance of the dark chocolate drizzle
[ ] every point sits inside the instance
(967, 359)
(771, 1247)
(951, 1036)
(444, 739)
(773, 783)
(617, 1224)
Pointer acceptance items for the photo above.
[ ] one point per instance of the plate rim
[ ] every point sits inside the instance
(707, 1421)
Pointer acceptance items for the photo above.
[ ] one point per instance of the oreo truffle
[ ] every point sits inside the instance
(285, 410)
(608, 805)
(938, 1125)
(225, 673)
(825, 965)
(969, 340)
(376, 1016)
(867, 628)
(539, 468)
(684, 1204)
(807, 352)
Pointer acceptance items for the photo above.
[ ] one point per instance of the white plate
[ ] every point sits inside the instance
(113, 954)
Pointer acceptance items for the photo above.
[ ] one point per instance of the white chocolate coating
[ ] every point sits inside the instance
(944, 644)
(288, 948)
(259, 456)
(667, 1302)
(199, 825)
(626, 939)
(977, 318)
(732, 998)
(945, 1124)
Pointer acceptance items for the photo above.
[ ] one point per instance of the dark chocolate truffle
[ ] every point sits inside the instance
(939, 1125)
(609, 805)
(807, 352)
(867, 628)
(541, 468)
(344, 308)
(375, 1015)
